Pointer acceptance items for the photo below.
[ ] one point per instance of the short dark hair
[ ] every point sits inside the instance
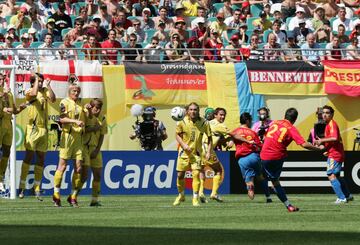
(163, 7)
(332, 111)
(217, 110)
(96, 101)
(245, 117)
(291, 114)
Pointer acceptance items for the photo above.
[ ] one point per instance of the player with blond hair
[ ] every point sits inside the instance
(189, 134)
(72, 119)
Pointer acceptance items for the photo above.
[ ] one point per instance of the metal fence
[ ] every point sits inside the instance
(159, 55)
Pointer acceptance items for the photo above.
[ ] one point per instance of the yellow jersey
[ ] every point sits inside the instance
(73, 110)
(6, 101)
(190, 8)
(92, 138)
(218, 131)
(193, 132)
(38, 109)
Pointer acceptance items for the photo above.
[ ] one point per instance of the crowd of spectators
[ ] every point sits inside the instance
(114, 31)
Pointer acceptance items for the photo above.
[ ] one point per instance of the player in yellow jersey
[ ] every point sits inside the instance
(72, 119)
(6, 133)
(95, 130)
(219, 132)
(36, 136)
(189, 134)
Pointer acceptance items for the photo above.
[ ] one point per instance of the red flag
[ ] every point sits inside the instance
(342, 77)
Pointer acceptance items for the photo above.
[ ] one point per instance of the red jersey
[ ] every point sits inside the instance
(242, 148)
(108, 53)
(279, 135)
(335, 148)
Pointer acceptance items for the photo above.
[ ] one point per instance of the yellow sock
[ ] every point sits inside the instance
(196, 181)
(216, 184)
(95, 188)
(201, 188)
(180, 183)
(57, 183)
(38, 177)
(3, 166)
(24, 173)
(76, 185)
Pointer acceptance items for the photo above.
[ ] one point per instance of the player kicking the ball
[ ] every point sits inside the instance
(36, 140)
(248, 147)
(189, 133)
(280, 134)
(72, 118)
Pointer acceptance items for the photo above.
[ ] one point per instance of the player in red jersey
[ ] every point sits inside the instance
(280, 134)
(335, 153)
(248, 147)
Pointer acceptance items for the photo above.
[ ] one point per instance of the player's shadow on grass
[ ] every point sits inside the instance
(13, 234)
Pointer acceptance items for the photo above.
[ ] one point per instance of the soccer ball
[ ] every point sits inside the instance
(177, 113)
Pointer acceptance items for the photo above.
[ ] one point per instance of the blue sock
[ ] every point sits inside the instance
(344, 187)
(280, 192)
(265, 187)
(335, 183)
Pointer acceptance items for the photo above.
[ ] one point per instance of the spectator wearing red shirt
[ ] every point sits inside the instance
(200, 31)
(109, 54)
(335, 153)
(120, 20)
(213, 47)
(280, 134)
(248, 146)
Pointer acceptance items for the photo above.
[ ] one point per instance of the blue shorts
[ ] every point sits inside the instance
(250, 166)
(272, 168)
(333, 167)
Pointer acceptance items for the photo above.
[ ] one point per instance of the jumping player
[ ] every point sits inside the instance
(189, 134)
(36, 140)
(248, 147)
(335, 153)
(280, 134)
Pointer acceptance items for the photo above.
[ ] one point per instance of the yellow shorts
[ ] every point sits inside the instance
(71, 146)
(6, 133)
(36, 139)
(212, 160)
(186, 162)
(93, 163)
(213, 157)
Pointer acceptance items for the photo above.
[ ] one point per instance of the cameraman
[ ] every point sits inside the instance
(261, 126)
(319, 127)
(150, 132)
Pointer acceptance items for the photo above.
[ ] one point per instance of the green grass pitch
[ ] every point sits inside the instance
(153, 220)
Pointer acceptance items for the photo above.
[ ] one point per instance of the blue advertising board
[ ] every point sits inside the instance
(128, 172)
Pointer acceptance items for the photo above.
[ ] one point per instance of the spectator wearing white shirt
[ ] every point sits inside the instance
(46, 51)
(300, 15)
(348, 23)
(234, 21)
(152, 51)
(7, 50)
(25, 54)
(280, 35)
